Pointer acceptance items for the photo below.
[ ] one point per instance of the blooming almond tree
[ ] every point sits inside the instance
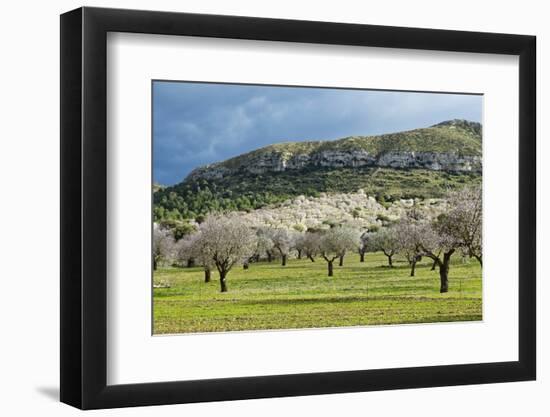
(386, 240)
(182, 250)
(334, 243)
(282, 241)
(408, 237)
(200, 251)
(458, 228)
(464, 219)
(227, 239)
(363, 245)
(350, 238)
(299, 243)
(264, 244)
(163, 245)
(310, 245)
(435, 242)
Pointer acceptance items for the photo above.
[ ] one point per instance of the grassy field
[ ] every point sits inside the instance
(300, 295)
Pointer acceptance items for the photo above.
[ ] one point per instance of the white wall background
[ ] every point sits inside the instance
(29, 175)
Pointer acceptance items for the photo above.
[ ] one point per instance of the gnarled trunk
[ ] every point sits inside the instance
(479, 259)
(433, 265)
(299, 254)
(311, 258)
(412, 262)
(223, 284)
(361, 256)
(444, 278)
(269, 256)
(444, 271)
(413, 267)
(341, 262)
(330, 268)
(207, 274)
(283, 260)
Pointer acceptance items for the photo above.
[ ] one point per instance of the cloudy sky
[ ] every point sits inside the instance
(197, 123)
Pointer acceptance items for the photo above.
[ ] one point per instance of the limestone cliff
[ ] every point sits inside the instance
(453, 146)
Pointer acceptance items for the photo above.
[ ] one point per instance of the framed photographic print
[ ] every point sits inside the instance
(258, 207)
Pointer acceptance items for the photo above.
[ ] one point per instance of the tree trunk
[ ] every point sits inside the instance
(299, 254)
(433, 265)
(444, 278)
(269, 256)
(311, 258)
(330, 269)
(341, 262)
(444, 271)
(413, 267)
(190, 263)
(479, 259)
(206, 274)
(223, 284)
(390, 260)
(154, 263)
(283, 260)
(361, 256)
(245, 265)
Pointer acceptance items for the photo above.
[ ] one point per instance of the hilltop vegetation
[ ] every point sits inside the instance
(454, 136)
(245, 192)
(279, 172)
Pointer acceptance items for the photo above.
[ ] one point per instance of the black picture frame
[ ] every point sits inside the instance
(84, 207)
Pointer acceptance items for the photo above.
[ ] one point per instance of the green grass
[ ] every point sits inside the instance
(301, 295)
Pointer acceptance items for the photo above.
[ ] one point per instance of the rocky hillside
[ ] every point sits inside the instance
(416, 164)
(453, 146)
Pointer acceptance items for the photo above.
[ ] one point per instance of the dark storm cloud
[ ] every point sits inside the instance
(196, 124)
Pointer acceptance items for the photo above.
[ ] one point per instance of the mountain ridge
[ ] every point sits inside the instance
(452, 145)
(416, 164)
